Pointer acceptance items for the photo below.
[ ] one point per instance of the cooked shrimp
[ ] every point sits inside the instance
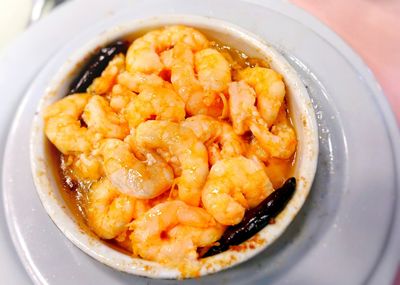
(63, 127)
(206, 104)
(124, 241)
(137, 81)
(241, 106)
(100, 118)
(279, 142)
(156, 103)
(211, 132)
(143, 54)
(233, 186)
(201, 237)
(200, 99)
(103, 84)
(254, 149)
(108, 211)
(184, 146)
(131, 176)
(171, 232)
(172, 144)
(213, 70)
(120, 96)
(87, 166)
(183, 77)
(214, 153)
(167, 58)
(269, 88)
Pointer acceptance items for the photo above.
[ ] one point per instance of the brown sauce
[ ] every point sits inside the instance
(69, 190)
(75, 196)
(237, 58)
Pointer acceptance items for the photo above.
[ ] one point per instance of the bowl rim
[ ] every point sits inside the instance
(120, 261)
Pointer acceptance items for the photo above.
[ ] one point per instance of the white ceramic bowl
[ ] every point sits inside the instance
(300, 108)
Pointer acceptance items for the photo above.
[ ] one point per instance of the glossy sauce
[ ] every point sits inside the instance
(70, 192)
(75, 193)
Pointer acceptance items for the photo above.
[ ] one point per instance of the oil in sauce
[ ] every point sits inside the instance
(75, 195)
(75, 192)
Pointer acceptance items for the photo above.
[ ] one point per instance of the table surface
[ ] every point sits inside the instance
(372, 29)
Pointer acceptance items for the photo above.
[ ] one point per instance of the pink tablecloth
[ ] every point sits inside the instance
(372, 28)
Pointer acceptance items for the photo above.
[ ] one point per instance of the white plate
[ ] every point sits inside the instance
(52, 84)
(347, 230)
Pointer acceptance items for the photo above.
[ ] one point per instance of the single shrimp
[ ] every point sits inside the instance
(165, 154)
(269, 88)
(103, 84)
(141, 179)
(171, 232)
(108, 211)
(136, 82)
(213, 70)
(183, 77)
(214, 73)
(278, 141)
(143, 53)
(182, 144)
(233, 186)
(225, 142)
(155, 103)
(281, 141)
(120, 96)
(63, 127)
(101, 118)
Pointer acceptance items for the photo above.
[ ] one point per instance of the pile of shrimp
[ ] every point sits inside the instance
(174, 142)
